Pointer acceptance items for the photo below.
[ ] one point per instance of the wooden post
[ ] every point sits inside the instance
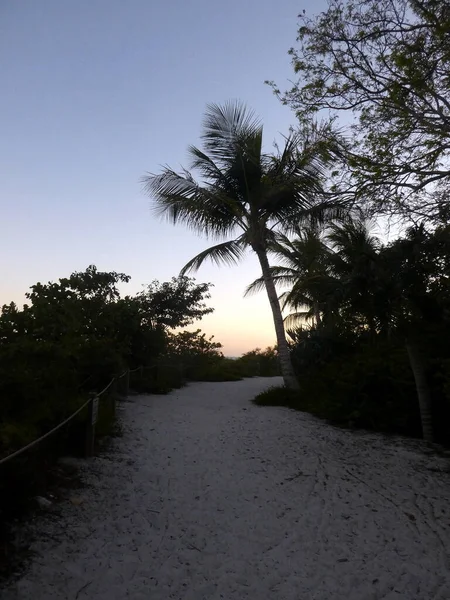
(157, 371)
(90, 426)
(127, 384)
(114, 395)
(181, 369)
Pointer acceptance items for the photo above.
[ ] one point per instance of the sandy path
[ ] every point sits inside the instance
(207, 497)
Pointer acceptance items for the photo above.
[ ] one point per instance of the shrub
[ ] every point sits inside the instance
(278, 396)
(225, 369)
(369, 387)
(72, 338)
(160, 378)
(259, 363)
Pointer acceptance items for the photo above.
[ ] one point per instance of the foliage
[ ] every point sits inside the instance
(352, 359)
(386, 62)
(75, 335)
(159, 378)
(360, 383)
(364, 385)
(225, 369)
(175, 303)
(304, 267)
(261, 363)
(255, 363)
(197, 353)
(277, 396)
(245, 193)
(199, 358)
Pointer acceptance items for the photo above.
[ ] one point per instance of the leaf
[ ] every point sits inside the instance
(229, 253)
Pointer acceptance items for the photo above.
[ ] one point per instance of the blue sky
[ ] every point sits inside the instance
(95, 93)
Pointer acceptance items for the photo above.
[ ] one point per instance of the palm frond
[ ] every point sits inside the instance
(179, 198)
(226, 126)
(296, 298)
(297, 175)
(327, 210)
(205, 165)
(292, 183)
(229, 253)
(280, 239)
(280, 275)
(352, 242)
(255, 287)
(294, 320)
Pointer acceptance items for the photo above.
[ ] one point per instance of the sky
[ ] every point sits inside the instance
(97, 93)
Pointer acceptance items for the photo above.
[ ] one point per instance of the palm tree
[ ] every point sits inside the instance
(416, 263)
(330, 275)
(244, 194)
(304, 266)
(387, 288)
(355, 265)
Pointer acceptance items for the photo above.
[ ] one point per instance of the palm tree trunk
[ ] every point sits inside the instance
(287, 371)
(317, 314)
(423, 391)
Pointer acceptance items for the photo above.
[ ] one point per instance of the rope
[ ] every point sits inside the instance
(46, 435)
(49, 433)
(106, 388)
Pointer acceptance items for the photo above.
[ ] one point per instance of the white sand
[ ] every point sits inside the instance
(207, 497)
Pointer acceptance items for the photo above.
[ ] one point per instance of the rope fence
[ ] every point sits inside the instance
(43, 437)
(92, 403)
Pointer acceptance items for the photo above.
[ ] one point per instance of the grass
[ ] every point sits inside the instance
(278, 396)
(354, 414)
(322, 407)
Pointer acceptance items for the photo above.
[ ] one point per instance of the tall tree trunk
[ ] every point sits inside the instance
(287, 371)
(317, 314)
(423, 391)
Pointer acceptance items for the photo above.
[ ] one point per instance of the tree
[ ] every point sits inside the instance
(175, 303)
(399, 290)
(243, 190)
(304, 266)
(77, 333)
(420, 263)
(388, 63)
(196, 352)
(356, 269)
(263, 363)
(148, 317)
(194, 343)
(391, 297)
(329, 274)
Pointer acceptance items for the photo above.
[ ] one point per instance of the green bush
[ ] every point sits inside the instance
(368, 387)
(278, 396)
(225, 369)
(72, 338)
(157, 379)
(259, 363)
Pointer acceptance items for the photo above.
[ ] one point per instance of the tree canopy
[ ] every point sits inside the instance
(74, 335)
(388, 63)
(375, 323)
